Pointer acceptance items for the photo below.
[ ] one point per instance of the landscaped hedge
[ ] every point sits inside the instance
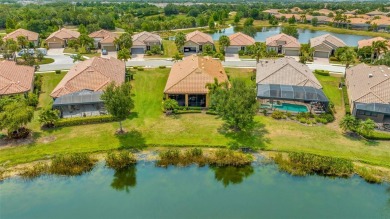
(84, 120)
(378, 136)
(346, 99)
(321, 72)
(189, 108)
(187, 111)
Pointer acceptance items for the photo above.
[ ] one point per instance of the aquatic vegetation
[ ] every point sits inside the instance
(35, 171)
(72, 164)
(369, 175)
(224, 157)
(120, 160)
(302, 164)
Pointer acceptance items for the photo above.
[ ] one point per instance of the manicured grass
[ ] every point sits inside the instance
(46, 61)
(148, 126)
(330, 86)
(169, 50)
(90, 55)
(244, 73)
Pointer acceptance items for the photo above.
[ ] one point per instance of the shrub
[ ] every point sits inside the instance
(327, 117)
(375, 135)
(333, 59)
(35, 171)
(162, 67)
(302, 120)
(322, 72)
(140, 69)
(148, 53)
(277, 114)
(135, 67)
(32, 99)
(37, 83)
(72, 164)
(84, 120)
(170, 104)
(48, 117)
(225, 157)
(241, 52)
(120, 160)
(187, 111)
(211, 112)
(346, 100)
(58, 71)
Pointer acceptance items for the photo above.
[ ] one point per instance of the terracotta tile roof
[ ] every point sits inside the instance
(31, 36)
(191, 75)
(64, 34)
(328, 40)
(93, 74)
(358, 20)
(325, 11)
(284, 39)
(368, 42)
(287, 16)
(382, 21)
(368, 84)
(323, 18)
(144, 38)
(272, 11)
(15, 78)
(107, 36)
(240, 39)
(285, 71)
(296, 9)
(199, 37)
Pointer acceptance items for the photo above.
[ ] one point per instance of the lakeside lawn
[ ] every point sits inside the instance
(148, 126)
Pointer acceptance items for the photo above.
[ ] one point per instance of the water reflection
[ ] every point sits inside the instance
(232, 175)
(124, 179)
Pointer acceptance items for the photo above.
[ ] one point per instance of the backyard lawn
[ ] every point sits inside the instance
(148, 126)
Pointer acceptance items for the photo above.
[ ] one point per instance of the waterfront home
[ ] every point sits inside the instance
(325, 12)
(320, 19)
(239, 41)
(296, 10)
(283, 44)
(195, 41)
(78, 93)
(188, 79)
(272, 11)
(358, 23)
(369, 42)
(325, 45)
(144, 41)
(286, 82)
(60, 38)
(31, 36)
(369, 92)
(15, 79)
(104, 39)
(383, 23)
(350, 13)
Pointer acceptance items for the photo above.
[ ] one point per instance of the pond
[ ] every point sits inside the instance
(304, 35)
(146, 191)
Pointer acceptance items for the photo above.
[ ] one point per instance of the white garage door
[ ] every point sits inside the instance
(320, 54)
(232, 50)
(55, 45)
(291, 53)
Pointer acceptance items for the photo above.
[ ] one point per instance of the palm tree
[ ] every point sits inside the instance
(303, 18)
(124, 54)
(213, 87)
(377, 47)
(306, 53)
(22, 41)
(349, 123)
(258, 50)
(348, 57)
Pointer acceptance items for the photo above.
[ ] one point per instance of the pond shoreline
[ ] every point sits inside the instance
(152, 155)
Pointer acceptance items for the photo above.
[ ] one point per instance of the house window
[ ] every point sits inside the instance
(243, 48)
(180, 98)
(147, 48)
(197, 100)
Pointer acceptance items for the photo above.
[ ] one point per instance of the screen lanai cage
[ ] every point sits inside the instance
(304, 94)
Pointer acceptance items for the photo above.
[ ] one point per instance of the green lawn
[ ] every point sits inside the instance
(169, 50)
(46, 61)
(149, 126)
(90, 55)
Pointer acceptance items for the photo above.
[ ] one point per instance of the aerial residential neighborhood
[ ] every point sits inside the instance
(206, 109)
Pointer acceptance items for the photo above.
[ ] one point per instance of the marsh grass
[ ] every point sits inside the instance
(302, 164)
(221, 157)
(369, 175)
(120, 160)
(35, 171)
(72, 164)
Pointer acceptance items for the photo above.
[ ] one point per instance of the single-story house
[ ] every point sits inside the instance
(195, 42)
(320, 19)
(272, 11)
(325, 11)
(325, 45)
(289, 82)
(15, 79)
(239, 41)
(60, 38)
(104, 39)
(296, 10)
(78, 93)
(349, 13)
(382, 24)
(369, 92)
(30, 36)
(144, 41)
(358, 23)
(368, 42)
(283, 44)
(376, 13)
(188, 79)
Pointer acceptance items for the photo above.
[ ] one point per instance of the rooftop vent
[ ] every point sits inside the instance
(370, 75)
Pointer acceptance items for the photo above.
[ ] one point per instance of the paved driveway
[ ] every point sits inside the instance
(59, 51)
(321, 61)
(113, 54)
(61, 61)
(137, 57)
(231, 57)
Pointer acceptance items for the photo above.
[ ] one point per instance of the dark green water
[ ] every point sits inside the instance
(146, 191)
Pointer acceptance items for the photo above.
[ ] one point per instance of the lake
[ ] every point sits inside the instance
(146, 191)
(304, 35)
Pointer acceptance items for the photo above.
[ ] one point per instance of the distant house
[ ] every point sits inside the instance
(239, 41)
(325, 45)
(376, 13)
(104, 39)
(29, 35)
(368, 42)
(287, 81)
(369, 92)
(358, 23)
(296, 10)
(283, 44)
(325, 11)
(349, 13)
(383, 23)
(15, 79)
(188, 78)
(60, 38)
(195, 42)
(144, 41)
(272, 11)
(78, 93)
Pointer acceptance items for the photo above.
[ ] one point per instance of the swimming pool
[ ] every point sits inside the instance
(292, 108)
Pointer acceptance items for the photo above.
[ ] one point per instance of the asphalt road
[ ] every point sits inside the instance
(63, 62)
